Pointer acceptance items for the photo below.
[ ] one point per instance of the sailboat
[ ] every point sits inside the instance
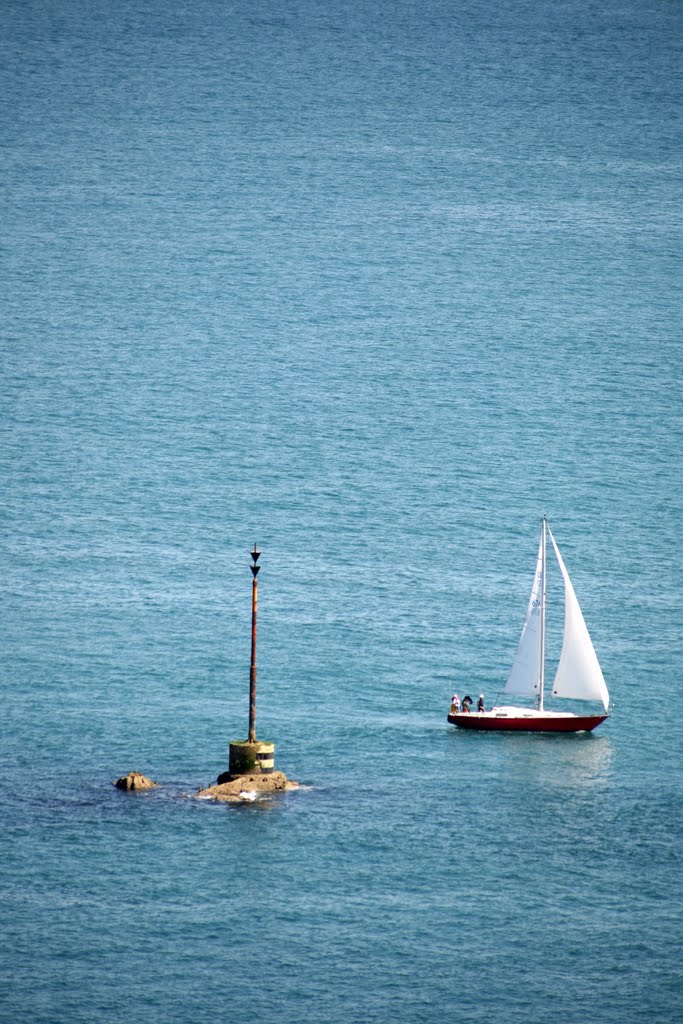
(578, 676)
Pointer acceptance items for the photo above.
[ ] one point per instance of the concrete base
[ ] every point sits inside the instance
(251, 758)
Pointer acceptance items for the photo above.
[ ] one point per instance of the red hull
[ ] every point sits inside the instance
(561, 723)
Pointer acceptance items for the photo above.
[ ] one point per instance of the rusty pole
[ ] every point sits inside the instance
(252, 669)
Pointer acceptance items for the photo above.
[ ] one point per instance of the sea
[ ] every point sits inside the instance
(374, 286)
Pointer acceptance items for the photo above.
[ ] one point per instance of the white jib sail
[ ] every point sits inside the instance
(525, 674)
(578, 673)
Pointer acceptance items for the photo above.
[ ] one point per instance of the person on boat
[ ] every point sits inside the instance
(480, 703)
(455, 704)
(466, 703)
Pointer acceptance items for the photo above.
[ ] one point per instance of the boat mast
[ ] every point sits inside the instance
(541, 680)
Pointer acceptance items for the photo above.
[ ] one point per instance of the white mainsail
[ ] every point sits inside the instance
(579, 675)
(525, 674)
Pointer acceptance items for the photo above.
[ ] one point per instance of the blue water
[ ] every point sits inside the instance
(375, 285)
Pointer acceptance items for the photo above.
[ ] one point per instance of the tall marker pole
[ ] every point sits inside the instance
(251, 756)
(252, 669)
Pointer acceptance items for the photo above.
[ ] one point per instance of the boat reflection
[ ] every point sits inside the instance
(579, 760)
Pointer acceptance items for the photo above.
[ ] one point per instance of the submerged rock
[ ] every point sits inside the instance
(134, 780)
(246, 788)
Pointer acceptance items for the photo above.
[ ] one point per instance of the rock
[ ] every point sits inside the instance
(134, 780)
(246, 788)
